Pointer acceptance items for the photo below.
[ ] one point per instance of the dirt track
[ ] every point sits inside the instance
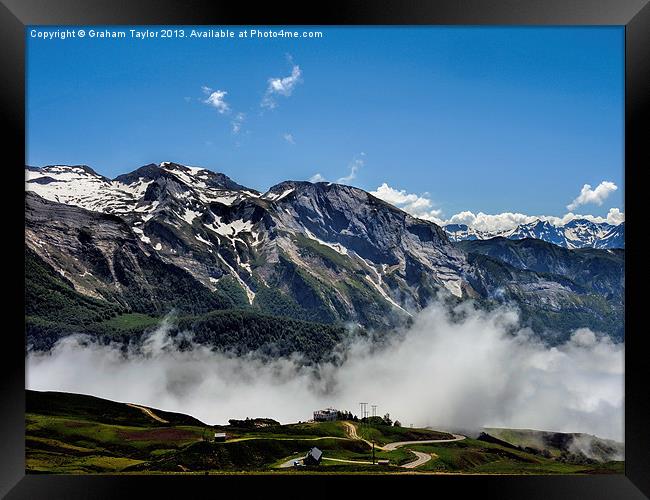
(148, 412)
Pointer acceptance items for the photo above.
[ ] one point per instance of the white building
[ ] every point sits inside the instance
(326, 415)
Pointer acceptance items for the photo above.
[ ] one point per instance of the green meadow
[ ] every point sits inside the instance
(78, 434)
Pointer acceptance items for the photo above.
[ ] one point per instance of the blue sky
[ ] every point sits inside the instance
(468, 119)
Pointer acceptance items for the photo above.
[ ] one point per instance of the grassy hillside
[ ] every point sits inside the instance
(72, 433)
(479, 457)
(563, 446)
(90, 408)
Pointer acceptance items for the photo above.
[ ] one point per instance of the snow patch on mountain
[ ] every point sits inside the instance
(230, 229)
(383, 293)
(249, 293)
(337, 247)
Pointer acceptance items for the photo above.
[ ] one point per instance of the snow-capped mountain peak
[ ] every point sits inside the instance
(81, 186)
(577, 233)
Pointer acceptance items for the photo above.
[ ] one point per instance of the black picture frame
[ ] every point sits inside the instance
(633, 14)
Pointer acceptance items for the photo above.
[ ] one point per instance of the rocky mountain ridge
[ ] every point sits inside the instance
(321, 252)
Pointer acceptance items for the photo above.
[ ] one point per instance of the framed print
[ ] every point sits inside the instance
(386, 245)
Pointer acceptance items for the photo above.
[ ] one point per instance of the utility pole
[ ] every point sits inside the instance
(374, 410)
(373, 452)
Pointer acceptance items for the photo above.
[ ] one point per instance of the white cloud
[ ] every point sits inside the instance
(284, 86)
(237, 122)
(492, 376)
(216, 99)
(487, 222)
(508, 220)
(281, 86)
(356, 164)
(597, 196)
(289, 138)
(615, 216)
(422, 207)
(419, 206)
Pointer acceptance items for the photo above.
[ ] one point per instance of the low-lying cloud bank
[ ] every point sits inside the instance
(507, 220)
(480, 370)
(421, 206)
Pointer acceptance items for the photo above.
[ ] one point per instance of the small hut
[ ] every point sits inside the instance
(313, 457)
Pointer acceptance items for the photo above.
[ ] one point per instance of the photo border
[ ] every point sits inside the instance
(15, 15)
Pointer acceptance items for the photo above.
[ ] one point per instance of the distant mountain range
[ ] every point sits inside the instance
(577, 233)
(169, 236)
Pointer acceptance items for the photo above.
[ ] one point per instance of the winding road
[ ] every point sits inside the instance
(394, 446)
(352, 432)
(422, 458)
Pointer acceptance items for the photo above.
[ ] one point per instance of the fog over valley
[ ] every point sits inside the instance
(459, 369)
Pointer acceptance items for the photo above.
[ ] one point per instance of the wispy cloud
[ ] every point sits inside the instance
(283, 86)
(289, 138)
(354, 166)
(216, 99)
(589, 195)
(237, 122)
(317, 177)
